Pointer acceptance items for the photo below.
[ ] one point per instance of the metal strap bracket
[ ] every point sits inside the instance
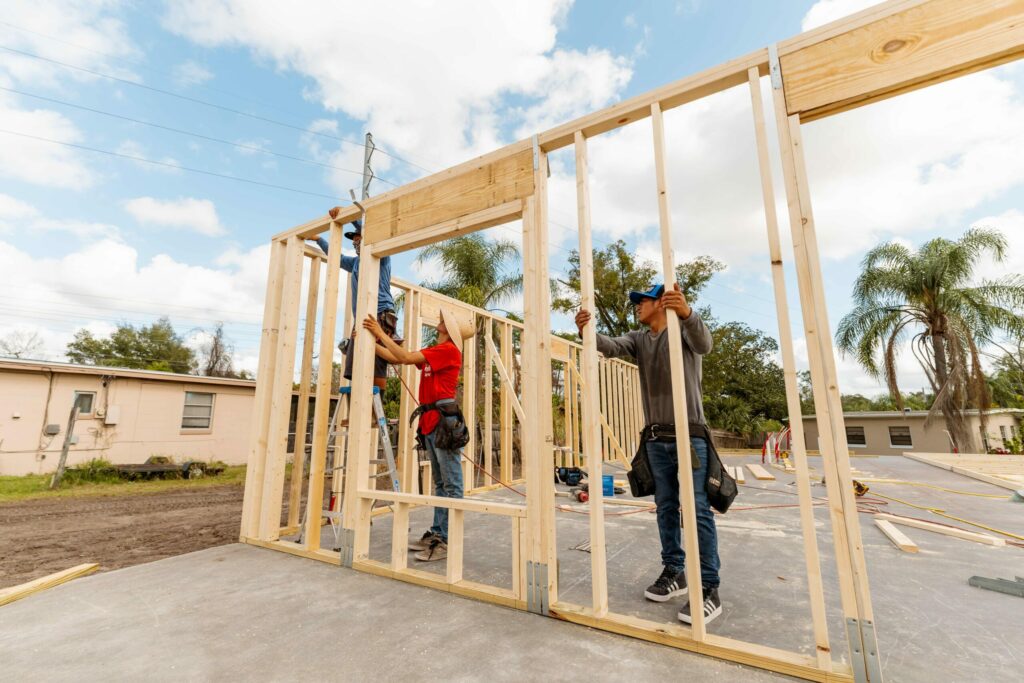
(537, 587)
(347, 542)
(863, 651)
(774, 68)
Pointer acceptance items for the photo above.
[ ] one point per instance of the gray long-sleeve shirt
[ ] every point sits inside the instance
(651, 354)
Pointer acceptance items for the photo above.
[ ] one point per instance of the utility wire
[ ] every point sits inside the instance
(139, 64)
(196, 100)
(169, 165)
(251, 148)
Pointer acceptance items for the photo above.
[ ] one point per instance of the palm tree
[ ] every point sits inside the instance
(928, 297)
(478, 271)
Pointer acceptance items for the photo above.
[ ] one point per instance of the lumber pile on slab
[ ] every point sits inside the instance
(760, 472)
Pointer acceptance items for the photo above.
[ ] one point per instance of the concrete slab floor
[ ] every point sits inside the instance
(240, 612)
(243, 613)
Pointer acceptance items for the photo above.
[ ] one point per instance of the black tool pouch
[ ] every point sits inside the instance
(719, 485)
(641, 479)
(451, 432)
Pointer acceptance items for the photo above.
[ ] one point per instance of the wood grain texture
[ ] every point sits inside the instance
(918, 46)
(481, 187)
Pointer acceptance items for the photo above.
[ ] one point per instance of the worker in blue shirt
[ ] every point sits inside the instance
(385, 302)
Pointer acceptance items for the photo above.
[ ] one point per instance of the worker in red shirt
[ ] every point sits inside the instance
(440, 365)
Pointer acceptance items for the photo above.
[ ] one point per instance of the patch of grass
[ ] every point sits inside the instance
(36, 486)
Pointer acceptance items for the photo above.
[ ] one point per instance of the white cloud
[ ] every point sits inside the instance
(1011, 224)
(56, 296)
(85, 34)
(444, 92)
(17, 216)
(826, 11)
(11, 208)
(34, 160)
(190, 73)
(184, 213)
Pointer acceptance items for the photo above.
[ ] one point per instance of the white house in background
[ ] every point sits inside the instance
(125, 416)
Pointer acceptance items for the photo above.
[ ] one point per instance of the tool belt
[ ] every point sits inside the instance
(451, 432)
(720, 486)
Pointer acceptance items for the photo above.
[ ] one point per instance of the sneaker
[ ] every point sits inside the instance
(438, 550)
(670, 584)
(424, 541)
(712, 607)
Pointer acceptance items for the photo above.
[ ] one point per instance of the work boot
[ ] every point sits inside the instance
(670, 584)
(438, 550)
(424, 541)
(712, 607)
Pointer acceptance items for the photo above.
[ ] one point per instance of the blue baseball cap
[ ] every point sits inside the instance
(654, 292)
(358, 225)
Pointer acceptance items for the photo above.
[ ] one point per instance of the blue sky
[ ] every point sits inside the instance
(88, 239)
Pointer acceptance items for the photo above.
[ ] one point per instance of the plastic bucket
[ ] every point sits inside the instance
(609, 484)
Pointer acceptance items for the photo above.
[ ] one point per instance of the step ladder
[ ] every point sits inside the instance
(338, 429)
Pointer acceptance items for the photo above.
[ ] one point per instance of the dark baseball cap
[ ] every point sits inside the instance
(358, 225)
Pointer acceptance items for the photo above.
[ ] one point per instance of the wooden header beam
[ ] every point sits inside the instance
(913, 45)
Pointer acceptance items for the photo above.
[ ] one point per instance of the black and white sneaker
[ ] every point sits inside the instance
(712, 607)
(670, 584)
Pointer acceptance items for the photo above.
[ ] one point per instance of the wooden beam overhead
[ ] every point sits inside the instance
(919, 44)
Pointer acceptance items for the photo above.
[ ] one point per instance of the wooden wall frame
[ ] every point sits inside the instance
(881, 52)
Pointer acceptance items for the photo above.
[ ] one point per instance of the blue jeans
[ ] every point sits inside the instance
(446, 470)
(662, 456)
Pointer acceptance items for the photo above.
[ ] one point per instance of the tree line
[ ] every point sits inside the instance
(933, 300)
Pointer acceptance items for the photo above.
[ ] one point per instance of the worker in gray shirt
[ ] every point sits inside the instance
(650, 350)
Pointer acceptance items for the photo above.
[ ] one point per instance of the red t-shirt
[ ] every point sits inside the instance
(439, 380)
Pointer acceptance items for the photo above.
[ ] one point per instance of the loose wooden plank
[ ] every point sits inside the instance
(985, 539)
(9, 595)
(898, 538)
(924, 44)
(760, 472)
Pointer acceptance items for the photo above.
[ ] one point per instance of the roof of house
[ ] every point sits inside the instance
(891, 414)
(19, 365)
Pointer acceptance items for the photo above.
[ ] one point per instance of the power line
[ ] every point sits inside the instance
(147, 67)
(201, 136)
(204, 103)
(168, 165)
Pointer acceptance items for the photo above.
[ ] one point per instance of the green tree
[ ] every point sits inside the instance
(153, 347)
(1007, 379)
(743, 386)
(928, 297)
(617, 272)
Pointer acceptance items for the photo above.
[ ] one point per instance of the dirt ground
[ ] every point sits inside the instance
(38, 537)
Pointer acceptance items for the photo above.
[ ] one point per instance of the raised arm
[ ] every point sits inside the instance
(609, 346)
(399, 355)
(695, 333)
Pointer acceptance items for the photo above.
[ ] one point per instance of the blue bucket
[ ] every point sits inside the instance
(609, 484)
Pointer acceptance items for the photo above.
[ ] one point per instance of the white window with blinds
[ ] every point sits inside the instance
(198, 411)
(855, 437)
